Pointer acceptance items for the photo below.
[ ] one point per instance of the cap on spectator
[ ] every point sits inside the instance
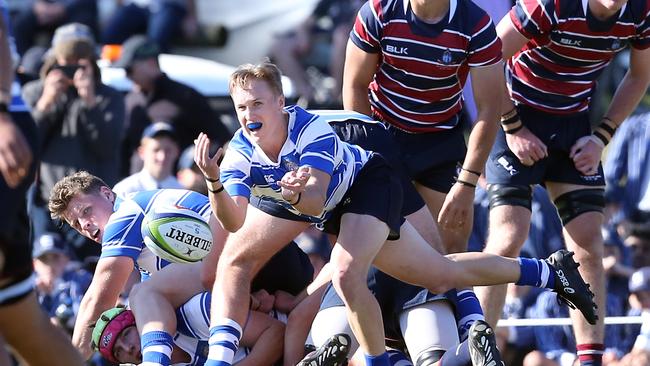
(48, 243)
(186, 160)
(159, 129)
(73, 39)
(640, 280)
(136, 48)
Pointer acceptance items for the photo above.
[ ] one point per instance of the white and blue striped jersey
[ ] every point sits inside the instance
(122, 234)
(246, 170)
(193, 329)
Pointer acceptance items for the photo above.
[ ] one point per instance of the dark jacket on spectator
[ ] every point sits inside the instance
(191, 116)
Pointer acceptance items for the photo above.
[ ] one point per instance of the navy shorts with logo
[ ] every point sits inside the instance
(375, 137)
(15, 244)
(559, 133)
(376, 191)
(393, 296)
(431, 159)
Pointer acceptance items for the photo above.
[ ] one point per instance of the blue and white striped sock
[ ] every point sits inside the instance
(380, 360)
(223, 342)
(535, 272)
(468, 310)
(156, 348)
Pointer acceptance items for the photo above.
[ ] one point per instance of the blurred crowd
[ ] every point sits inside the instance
(144, 139)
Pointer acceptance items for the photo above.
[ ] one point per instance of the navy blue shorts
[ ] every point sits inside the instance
(375, 137)
(289, 270)
(393, 296)
(15, 243)
(559, 133)
(376, 191)
(431, 159)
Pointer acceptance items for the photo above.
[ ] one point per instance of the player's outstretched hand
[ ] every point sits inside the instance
(294, 183)
(209, 165)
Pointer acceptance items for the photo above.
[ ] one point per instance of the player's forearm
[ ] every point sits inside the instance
(627, 97)
(229, 214)
(481, 140)
(82, 333)
(267, 349)
(311, 201)
(355, 98)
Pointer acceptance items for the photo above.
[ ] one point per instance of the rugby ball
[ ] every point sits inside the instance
(176, 234)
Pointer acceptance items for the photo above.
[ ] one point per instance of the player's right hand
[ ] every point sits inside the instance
(15, 153)
(209, 165)
(527, 147)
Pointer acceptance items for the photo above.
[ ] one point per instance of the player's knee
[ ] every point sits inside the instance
(510, 195)
(348, 282)
(573, 204)
(429, 357)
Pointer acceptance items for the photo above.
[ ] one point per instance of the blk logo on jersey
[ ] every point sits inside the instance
(397, 50)
(571, 42)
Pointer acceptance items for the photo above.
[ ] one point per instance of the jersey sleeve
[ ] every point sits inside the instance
(122, 235)
(366, 32)
(236, 166)
(485, 45)
(317, 145)
(533, 17)
(642, 39)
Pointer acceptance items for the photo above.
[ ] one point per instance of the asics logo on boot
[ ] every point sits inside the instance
(488, 352)
(567, 286)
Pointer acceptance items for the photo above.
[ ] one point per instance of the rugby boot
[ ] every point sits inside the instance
(483, 345)
(333, 353)
(569, 285)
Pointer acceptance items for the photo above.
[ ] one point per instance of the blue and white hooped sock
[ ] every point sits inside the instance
(156, 348)
(223, 342)
(468, 310)
(535, 272)
(380, 360)
(457, 356)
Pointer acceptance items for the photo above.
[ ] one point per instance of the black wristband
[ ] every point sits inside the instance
(220, 189)
(4, 108)
(210, 179)
(465, 183)
(514, 130)
(298, 200)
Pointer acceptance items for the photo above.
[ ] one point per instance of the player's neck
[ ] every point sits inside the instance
(430, 11)
(273, 146)
(601, 12)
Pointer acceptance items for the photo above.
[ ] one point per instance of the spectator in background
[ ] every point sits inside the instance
(160, 20)
(627, 170)
(80, 123)
(156, 97)
(60, 284)
(188, 173)
(23, 324)
(158, 151)
(47, 15)
(637, 242)
(638, 336)
(290, 50)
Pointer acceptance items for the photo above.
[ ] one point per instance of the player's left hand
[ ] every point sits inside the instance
(586, 153)
(294, 183)
(456, 210)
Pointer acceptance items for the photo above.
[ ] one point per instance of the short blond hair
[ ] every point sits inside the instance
(69, 187)
(265, 71)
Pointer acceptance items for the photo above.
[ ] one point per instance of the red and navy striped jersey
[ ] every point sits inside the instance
(419, 80)
(556, 70)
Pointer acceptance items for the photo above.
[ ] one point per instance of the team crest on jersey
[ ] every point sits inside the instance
(446, 56)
